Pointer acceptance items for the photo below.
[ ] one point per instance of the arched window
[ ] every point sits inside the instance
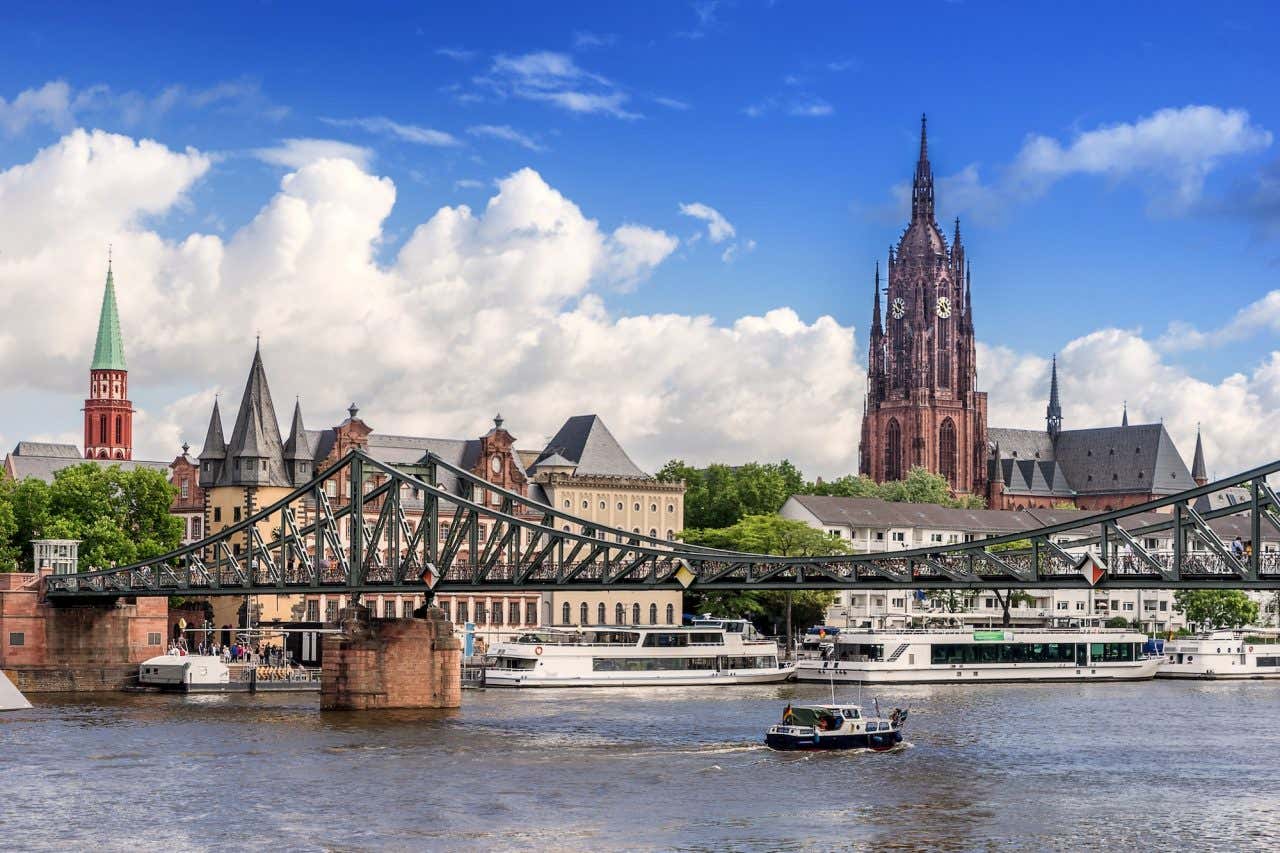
(947, 452)
(944, 352)
(583, 616)
(893, 451)
(635, 614)
(102, 429)
(564, 613)
(619, 615)
(600, 614)
(653, 614)
(671, 614)
(119, 430)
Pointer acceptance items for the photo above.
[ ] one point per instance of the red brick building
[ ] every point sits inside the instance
(108, 414)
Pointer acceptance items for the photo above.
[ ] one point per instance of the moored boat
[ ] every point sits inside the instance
(210, 674)
(711, 651)
(994, 655)
(1221, 655)
(833, 726)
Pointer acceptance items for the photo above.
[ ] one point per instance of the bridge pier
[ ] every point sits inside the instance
(391, 663)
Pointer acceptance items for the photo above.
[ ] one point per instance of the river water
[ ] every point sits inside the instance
(1148, 766)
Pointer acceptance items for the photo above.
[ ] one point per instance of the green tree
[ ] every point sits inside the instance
(10, 552)
(1216, 608)
(848, 486)
(720, 495)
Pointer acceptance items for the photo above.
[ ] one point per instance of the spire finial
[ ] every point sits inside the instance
(497, 421)
(186, 448)
(922, 185)
(353, 410)
(1199, 471)
(1124, 419)
(924, 137)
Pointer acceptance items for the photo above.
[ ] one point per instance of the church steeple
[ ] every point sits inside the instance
(922, 183)
(108, 352)
(108, 414)
(876, 327)
(1198, 471)
(1124, 418)
(1053, 414)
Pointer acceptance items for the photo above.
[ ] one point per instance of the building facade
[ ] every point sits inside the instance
(922, 406)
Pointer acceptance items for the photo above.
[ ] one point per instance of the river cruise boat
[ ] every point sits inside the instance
(210, 674)
(833, 726)
(711, 651)
(1220, 655)
(975, 655)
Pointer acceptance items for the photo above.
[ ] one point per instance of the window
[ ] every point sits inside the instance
(531, 613)
(1079, 605)
(102, 428)
(119, 430)
(935, 537)
(899, 603)
(619, 506)
(671, 614)
(482, 614)
(947, 451)
(899, 536)
(671, 507)
(635, 614)
(313, 610)
(602, 504)
(235, 513)
(583, 615)
(217, 513)
(879, 535)
(564, 613)
(153, 638)
(184, 487)
(463, 611)
(671, 534)
(1062, 605)
(444, 607)
(586, 504)
(19, 638)
(331, 611)
(893, 451)
(497, 613)
(197, 524)
(567, 504)
(513, 613)
(653, 507)
(653, 614)
(636, 506)
(330, 489)
(653, 533)
(619, 615)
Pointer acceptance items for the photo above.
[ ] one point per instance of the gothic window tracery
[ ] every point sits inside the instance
(947, 451)
(893, 451)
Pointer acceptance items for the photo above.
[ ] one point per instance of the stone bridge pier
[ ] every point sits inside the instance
(391, 663)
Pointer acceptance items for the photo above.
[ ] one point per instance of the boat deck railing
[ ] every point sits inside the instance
(893, 632)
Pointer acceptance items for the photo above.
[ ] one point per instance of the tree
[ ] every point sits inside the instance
(118, 516)
(1216, 608)
(848, 486)
(10, 553)
(1117, 622)
(719, 495)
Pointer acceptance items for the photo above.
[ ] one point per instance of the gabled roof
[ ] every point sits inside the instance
(1030, 476)
(586, 442)
(215, 446)
(22, 466)
(874, 512)
(43, 448)
(257, 431)
(108, 351)
(1021, 443)
(1136, 458)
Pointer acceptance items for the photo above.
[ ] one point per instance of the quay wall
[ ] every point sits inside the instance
(83, 678)
(391, 663)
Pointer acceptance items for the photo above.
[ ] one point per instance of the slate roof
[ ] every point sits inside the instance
(586, 442)
(1021, 443)
(42, 460)
(1031, 477)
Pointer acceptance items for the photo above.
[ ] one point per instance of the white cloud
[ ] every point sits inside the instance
(555, 78)
(584, 40)
(719, 229)
(811, 107)
(801, 104)
(384, 126)
(1170, 153)
(672, 103)
(49, 105)
(1263, 315)
(468, 184)
(506, 133)
(456, 53)
(296, 153)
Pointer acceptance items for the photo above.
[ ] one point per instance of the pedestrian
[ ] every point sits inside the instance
(1237, 548)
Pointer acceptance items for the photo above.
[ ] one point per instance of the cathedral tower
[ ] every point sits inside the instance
(108, 414)
(922, 408)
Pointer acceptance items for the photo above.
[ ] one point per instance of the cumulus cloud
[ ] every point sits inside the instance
(1170, 153)
(1263, 315)
(383, 126)
(556, 79)
(296, 153)
(506, 133)
(719, 229)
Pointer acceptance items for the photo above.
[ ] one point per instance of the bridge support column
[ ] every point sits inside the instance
(391, 663)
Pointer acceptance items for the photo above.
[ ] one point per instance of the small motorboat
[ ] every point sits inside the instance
(836, 727)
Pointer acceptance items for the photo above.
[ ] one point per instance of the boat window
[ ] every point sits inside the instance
(666, 640)
(707, 639)
(748, 662)
(968, 653)
(651, 664)
(850, 714)
(1268, 661)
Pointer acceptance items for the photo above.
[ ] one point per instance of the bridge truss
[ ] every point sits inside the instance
(417, 537)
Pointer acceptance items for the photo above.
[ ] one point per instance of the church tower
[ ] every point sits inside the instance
(108, 414)
(922, 408)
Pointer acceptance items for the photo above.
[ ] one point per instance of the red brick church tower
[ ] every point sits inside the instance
(921, 407)
(108, 414)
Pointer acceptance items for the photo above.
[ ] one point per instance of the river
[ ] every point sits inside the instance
(1147, 766)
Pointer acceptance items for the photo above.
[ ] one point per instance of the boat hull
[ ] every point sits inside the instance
(991, 673)
(517, 678)
(880, 741)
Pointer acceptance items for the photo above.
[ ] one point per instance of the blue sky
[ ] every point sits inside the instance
(796, 122)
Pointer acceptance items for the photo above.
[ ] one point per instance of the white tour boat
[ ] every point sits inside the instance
(711, 651)
(974, 655)
(210, 674)
(1221, 654)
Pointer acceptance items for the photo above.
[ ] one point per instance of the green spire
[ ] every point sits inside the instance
(108, 353)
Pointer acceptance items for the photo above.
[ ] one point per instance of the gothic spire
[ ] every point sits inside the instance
(922, 184)
(998, 476)
(298, 446)
(955, 241)
(215, 446)
(255, 440)
(875, 311)
(1053, 414)
(1198, 471)
(1124, 419)
(108, 352)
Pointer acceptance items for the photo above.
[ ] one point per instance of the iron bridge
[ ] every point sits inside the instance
(304, 544)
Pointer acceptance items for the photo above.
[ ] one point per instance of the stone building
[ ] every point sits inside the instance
(923, 409)
(922, 406)
(108, 414)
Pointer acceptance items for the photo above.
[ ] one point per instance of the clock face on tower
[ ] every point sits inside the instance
(898, 308)
(944, 307)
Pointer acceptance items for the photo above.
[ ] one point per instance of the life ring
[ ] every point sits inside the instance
(537, 650)
(1251, 650)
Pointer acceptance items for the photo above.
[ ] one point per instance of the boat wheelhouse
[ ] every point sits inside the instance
(966, 656)
(813, 727)
(711, 651)
(1221, 655)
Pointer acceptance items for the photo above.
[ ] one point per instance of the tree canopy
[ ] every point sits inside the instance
(118, 516)
(1216, 608)
(720, 495)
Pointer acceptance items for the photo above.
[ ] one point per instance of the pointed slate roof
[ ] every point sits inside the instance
(298, 447)
(586, 442)
(1198, 470)
(108, 352)
(257, 431)
(215, 446)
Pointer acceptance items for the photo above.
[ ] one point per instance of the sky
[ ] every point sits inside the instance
(668, 214)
